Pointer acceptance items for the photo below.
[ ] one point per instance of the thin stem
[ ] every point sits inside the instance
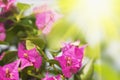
(43, 54)
(31, 74)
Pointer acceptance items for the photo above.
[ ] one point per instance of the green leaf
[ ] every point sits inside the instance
(23, 73)
(23, 6)
(42, 53)
(88, 71)
(2, 42)
(2, 19)
(29, 45)
(10, 56)
(42, 68)
(38, 41)
(28, 21)
(52, 61)
(11, 37)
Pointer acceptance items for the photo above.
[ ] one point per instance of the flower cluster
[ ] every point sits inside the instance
(71, 59)
(6, 5)
(26, 58)
(29, 57)
(35, 59)
(10, 71)
(45, 18)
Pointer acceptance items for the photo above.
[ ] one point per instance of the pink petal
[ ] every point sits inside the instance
(62, 61)
(7, 6)
(67, 72)
(38, 62)
(35, 57)
(79, 52)
(10, 2)
(40, 21)
(24, 63)
(41, 9)
(2, 73)
(2, 36)
(2, 4)
(15, 75)
(33, 52)
(2, 32)
(45, 18)
(2, 29)
(48, 28)
(21, 50)
(12, 66)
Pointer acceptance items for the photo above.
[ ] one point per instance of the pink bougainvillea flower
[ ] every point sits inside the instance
(10, 71)
(45, 18)
(6, 5)
(74, 50)
(52, 77)
(71, 59)
(2, 32)
(29, 57)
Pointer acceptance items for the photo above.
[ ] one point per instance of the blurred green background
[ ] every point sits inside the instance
(96, 23)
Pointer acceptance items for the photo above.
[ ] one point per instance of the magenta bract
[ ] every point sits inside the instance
(29, 57)
(10, 71)
(45, 18)
(2, 32)
(6, 5)
(71, 59)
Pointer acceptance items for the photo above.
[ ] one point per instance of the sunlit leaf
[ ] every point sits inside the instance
(29, 45)
(23, 6)
(38, 41)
